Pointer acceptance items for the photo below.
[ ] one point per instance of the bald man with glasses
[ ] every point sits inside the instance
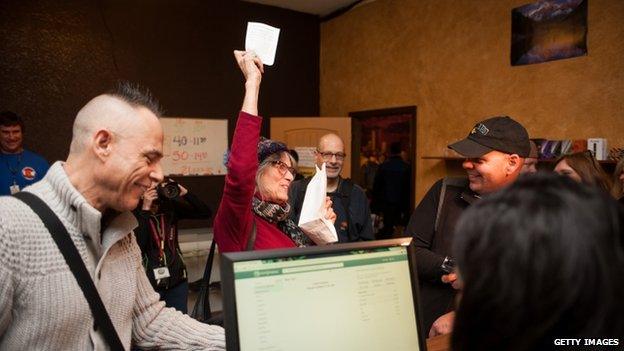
(349, 202)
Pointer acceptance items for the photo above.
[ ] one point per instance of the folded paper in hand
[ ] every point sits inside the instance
(312, 219)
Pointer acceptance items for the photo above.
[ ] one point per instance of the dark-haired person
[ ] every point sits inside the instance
(254, 209)
(295, 155)
(530, 163)
(18, 167)
(583, 168)
(113, 159)
(161, 208)
(391, 191)
(494, 150)
(526, 285)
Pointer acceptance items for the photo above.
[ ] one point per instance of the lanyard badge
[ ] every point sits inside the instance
(161, 273)
(14, 188)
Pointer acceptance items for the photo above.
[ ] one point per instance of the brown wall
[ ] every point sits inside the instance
(56, 55)
(450, 58)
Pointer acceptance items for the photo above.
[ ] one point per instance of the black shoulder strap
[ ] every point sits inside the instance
(446, 182)
(76, 265)
(202, 310)
(440, 203)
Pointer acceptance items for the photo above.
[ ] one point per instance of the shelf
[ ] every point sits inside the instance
(442, 158)
(546, 160)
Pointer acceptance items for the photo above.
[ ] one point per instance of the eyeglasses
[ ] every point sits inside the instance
(326, 155)
(283, 168)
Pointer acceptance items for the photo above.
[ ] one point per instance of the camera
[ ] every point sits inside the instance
(448, 266)
(168, 190)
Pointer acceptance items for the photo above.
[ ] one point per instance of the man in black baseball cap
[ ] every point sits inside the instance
(497, 133)
(495, 150)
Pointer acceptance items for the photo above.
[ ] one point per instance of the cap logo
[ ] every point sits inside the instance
(481, 128)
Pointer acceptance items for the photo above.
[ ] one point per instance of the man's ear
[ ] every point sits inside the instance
(514, 163)
(102, 143)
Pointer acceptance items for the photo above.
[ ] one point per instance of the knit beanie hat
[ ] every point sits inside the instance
(267, 147)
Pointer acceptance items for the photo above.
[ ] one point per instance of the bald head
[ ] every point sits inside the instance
(103, 112)
(115, 151)
(330, 139)
(115, 111)
(331, 151)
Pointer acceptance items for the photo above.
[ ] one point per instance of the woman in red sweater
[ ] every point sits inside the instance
(253, 213)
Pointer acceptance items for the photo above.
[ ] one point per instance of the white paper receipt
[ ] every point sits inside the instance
(312, 219)
(262, 39)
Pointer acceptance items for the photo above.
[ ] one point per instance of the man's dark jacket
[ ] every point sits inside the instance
(357, 226)
(432, 246)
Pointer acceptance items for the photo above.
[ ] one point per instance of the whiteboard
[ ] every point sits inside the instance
(194, 146)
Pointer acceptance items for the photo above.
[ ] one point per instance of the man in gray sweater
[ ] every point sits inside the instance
(114, 157)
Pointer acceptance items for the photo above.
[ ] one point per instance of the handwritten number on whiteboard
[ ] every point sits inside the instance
(198, 140)
(180, 140)
(179, 155)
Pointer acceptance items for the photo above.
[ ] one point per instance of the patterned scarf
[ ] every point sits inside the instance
(275, 213)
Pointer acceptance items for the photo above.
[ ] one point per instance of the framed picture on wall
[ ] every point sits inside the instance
(548, 30)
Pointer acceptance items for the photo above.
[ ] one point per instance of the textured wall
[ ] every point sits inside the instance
(56, 55)
(451, 59)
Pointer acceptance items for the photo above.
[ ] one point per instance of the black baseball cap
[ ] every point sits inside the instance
(500, 133)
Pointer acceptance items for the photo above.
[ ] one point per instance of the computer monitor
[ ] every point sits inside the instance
(356, 296)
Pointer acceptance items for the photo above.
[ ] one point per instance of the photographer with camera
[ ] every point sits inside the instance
(157, 235)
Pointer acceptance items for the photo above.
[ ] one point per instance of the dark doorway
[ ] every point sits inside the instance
(377, 136)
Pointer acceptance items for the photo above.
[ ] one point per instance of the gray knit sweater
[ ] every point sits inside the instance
(41, 304)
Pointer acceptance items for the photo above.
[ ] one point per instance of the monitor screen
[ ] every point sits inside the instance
(358, 296)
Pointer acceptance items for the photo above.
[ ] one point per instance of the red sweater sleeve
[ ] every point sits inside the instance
(234, 217)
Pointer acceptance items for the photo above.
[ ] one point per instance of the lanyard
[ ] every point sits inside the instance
(158, 235)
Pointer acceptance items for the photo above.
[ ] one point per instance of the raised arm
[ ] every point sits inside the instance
(252, 69)
(234, 218)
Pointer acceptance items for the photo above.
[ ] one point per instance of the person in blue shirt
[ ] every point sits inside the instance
(18, 167)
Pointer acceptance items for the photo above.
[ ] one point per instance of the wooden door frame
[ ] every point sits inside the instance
(355, 142)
